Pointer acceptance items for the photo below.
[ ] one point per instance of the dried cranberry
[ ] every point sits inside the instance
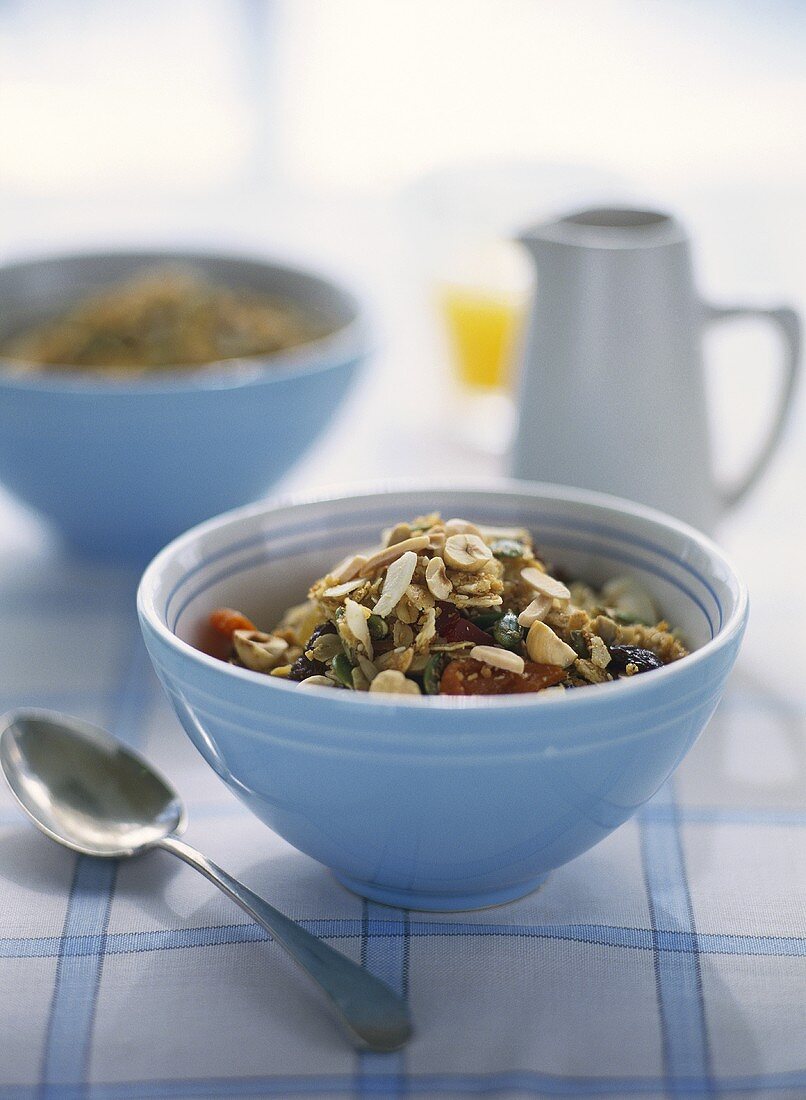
(643, 659)
(453, 627)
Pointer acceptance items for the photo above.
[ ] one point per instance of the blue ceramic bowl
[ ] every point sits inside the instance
(120, 467)
(437, 802)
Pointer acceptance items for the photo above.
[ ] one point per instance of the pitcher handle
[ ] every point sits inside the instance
(787, 323)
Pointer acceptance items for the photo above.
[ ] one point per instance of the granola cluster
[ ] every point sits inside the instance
(455, 608)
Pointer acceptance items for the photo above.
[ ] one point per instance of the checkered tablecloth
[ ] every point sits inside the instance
(668, 961)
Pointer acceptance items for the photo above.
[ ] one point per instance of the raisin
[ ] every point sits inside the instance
(324, 628)
(643, 659)
(303, 667)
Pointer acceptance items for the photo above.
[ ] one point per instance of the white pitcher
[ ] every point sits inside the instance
(612, 393)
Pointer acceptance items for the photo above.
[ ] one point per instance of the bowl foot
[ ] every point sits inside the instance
(439, 903)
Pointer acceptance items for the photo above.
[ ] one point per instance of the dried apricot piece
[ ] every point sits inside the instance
(226, 621)
(466, 676)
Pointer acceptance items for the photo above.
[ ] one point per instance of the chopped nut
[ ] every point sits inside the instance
(537, 609)
(428, 630)
(402, 634)
(467, 552)
(360, 681)
(258, 651)
(437, 579)
(600, 655)
(367, 667)
(544, 584)
(605, 628)
(392, 682)
(545, 648)
(339, 590)
(391, 553)
(578, 619)
(399, 659)
(498, 658)
(355, 615)
(591, 672)
(407, 611)
(397, 580)
(436, 541)
(419, 595)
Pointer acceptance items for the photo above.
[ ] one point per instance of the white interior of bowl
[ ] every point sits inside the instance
(261, 562)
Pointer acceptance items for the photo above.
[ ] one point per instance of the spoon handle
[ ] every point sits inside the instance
(374, 1015)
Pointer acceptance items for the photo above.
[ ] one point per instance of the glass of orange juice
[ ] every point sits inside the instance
(482, 295)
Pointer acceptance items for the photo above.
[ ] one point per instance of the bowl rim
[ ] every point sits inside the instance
(636, 687)
(324, 353)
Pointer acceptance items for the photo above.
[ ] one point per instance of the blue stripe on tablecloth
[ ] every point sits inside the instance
(72, 1009)
(600, 935)
(387, 957)
(441, 1084)
(677, 974)
(68, 1037)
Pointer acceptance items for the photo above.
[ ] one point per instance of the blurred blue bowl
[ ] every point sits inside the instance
(439, 802)
(122, 466)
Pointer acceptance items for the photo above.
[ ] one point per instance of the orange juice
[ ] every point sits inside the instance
(484, 328)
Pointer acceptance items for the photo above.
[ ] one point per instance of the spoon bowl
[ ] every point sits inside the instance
(84, 788)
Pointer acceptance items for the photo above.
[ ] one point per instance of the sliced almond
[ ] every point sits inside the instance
(397, 580)
(392, 682)
(391, 553)
(536, 611)
(545, 648)
(467, 552)
(544, 584)
(498, 658)
(339, 590)
(461, 527)
(348, 567)
(437, 579)
(399, 533)
(355, 615)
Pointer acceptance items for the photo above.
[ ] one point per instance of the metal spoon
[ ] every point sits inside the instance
(86, 790)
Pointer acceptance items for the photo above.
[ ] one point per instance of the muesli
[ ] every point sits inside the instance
(451, 607)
